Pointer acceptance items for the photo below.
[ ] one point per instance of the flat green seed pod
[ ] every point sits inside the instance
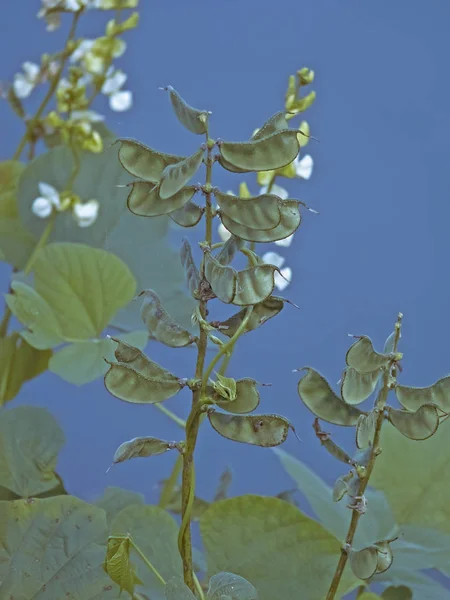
(221, 278)
(262, 312)
(339, 489)
(125, 383)
(363, 563)
(357, 387)
(413, 398)
(196, 121)
(190, 269)
(144, 162)
(160, 324)
(335, 450)
(365, 429)
(188, 216)
(228, 585)
(259, 430)
(362, 456)
(229, 250)
(144, 199)
(256, 212)
(317, 395)
(419, 425)
(272, 152)
(140, 447)
(177, 175)
(247, 397)
(277, 122)
(136, 359)
(289, 223)
(254, 285)
(385, 556)
(229, 167)
(362, 356)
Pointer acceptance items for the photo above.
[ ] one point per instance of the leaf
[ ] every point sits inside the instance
(140, 447)
(230, 586)
(144, 199)
(419, 425)
(415, 477)
(357, 387)
(49, 549)
(16, 243)
(362, 356)
(159, 323)
(317, 395)
(290, 222)
(83, 362)
(259, 430)
(144, 162)
(118, 565)
(30, 440)
(271, 152)
(271, 543)
(19, 362)
(115, 499)
(413, 398)
(257, 212)
(247, 397)
(176, 176)
(262, 312)
(155, 533)
(397, 593)
(422, 586)
(190, 268)
(196, 121)
(176, 589)
(377, 523)
(100, 177)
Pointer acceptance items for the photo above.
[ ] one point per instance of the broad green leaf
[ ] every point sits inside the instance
(10, 171)
(16, 243)
(196, 121)
(83, 362)
(247, 397)
(30, 440)
(262, 312)
(100, 177)
(43, 328)
(84, 286)
(422, 548)
(277, 122)
(414, 476)
(224, 484)
(19, 362)
(188, 216)
(422, 586)
(115, 499)
(176, 176)
(144, 199)
(160, 324)
(49, 549)
(413, 398)
(144, 162)
(176, 589)
(377, 523)
(259, 430)
(357, 387)
(362, 356)
(369, 596)
(140, 447)
(125, 383)
(119, 566)
(230, 586)
(257, 212)
(290, 222)
(175, 504)
(271, 152)
(400, 592)
(272, 544)
(419, 425)
(317, 395)
(191, 272)
(155, 533)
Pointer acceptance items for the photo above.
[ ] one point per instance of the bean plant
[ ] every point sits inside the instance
(79, 208)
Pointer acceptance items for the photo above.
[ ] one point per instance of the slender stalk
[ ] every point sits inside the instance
(171, 482)
(380, 403)
(152, 568)
(50, 91)
(175, 418)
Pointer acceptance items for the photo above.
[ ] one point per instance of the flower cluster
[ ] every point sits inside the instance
(50, 201)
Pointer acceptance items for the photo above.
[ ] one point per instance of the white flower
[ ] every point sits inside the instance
(82, 49)
(85, 214)
(223, 232)
(304, 166)
(286, 242)
(48, 200)
(119, 100)
(281, 280)
(87, 115)
(25, 82)
(275, 189)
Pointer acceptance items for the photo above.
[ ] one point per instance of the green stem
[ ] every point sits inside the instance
(54, 84)
(152, 568)
(380, 404)
(178, 420)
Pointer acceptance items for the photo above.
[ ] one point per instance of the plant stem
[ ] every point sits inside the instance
(50, 91)
(152, 568)
(175, 418)
(171, 482)
(380, 403)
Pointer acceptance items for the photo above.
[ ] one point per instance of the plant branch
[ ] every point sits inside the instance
(380, 403)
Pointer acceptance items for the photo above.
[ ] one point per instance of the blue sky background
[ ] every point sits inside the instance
(380, 244)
